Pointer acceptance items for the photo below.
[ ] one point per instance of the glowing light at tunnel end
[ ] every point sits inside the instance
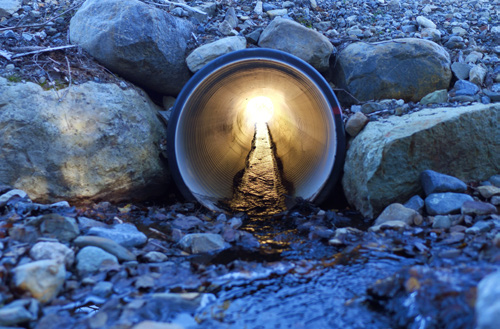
(260, 109)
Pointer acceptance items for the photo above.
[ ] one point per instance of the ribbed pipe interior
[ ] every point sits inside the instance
(214, 134)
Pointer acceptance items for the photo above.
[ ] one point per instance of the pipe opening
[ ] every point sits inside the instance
(244, 96)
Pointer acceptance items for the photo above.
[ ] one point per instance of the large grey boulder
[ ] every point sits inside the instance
(384, 162)
(405, 69)
(206, 53)
(298, 40)
(8, 7)
(143, 44)
(96, 142)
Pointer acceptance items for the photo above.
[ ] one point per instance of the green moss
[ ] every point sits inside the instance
(14, 78)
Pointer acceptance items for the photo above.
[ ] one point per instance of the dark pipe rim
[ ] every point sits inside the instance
(248, 54)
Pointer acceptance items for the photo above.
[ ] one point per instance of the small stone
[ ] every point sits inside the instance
(434, 182)
(4, 198)
(398, 212)
(91, 259)
(445, 203)
(396, 225)
(125, 234)
(231, 17)
(186, 222)
(277, 12)
(473, 57)
(108, 245)
(457, 30)
(208, 52)
(53, 250)
(202, 242)
(416, 203)
(43, 279)
(463, 87)
(480, 227)
(478, 208)
(19, 312)
(103, 289)
(60, 227)
(253, 37)
(156, 325)
(356, 123)
(477, 74)
(496, 240)
(433, 34)
(370, 107)
(488, 302)
(155, 257)
(461, 70)
(436, 97)
(488, 191)
(495, 180)
(495, 200)
(425, 22)
(235, 223)
(258, 8)
(441, 222)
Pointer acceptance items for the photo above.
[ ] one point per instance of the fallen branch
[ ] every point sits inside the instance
(183, 5)
(42, 51)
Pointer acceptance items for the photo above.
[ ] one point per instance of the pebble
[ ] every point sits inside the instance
(478, 227)
(441, 222)
(416, 203)
(202, 242)
(434, 182)
(397, 211)
(445, 203)
(463, 87)
(477, 74)
(19, 312)
(108, 245)
(425, 22)
(125, 234)
(103, 289)
(91, 259)
(53, 250)
(488, 302)
(488, 191)
(461, 70)
(155, 257)
(436, 97)
(356, 123)
(60, 227)
(478, 208)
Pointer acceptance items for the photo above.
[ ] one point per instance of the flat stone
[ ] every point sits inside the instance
(488, 302)
(356, 123)
(480, 227)
(53, 250)
(445, 203)
(397, 211)
(19, 312)
(436, 97)
(461, 70)
(277, 12)
(396, 225)
(43, 279)
(208, 52)
(463, 87)
(434, 182)
(478, 208)
(148, 324)
(91, 259)
(477, 74)
(488, 191)
(425, 22)
(60, 227)
(441, 222)
(155, 257)
(291, 37)
(122, 253)
(384, 161)
(202, 242)
(416, 203)
(125, 234)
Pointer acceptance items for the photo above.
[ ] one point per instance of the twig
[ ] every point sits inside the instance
(348, 93)
(42, 51)
(183, 5)
(38, 25)
(69, 86)
(6, 54)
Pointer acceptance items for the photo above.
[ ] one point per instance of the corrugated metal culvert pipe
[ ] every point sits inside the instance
(215, 123)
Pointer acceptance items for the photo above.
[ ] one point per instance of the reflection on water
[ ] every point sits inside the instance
(260, 191)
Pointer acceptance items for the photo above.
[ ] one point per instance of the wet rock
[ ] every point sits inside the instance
(125, 234)
(293, 38)
(202, 242)
(436, 97)
(91, 259)
(143, 44)
(405, 69)
(416, 203)
(434, 182)
(478, 208)
(480, 227)
(122, 253)
(398, 212)
(488, 191)
(103, 289)
(488, 302)
(62, 228)
(385, 159)
(461, 70)
(112, 156)
(208, 52)
(445, 203)
(43, 279)
(8, 7)
(356, 123)
(441, 222)
(53, 250)
(19, 312)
